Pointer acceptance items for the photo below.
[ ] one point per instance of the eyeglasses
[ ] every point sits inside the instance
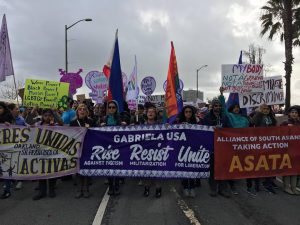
(112, 107)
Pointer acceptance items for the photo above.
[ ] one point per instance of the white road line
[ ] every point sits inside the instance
(101, 210)
(280, 180)
(189, 213)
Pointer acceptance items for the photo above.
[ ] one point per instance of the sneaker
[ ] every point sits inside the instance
(274, 185)
(251, 192)
(140, 183)
(39, 196)
(158, 193)
(296, 192)
(78, 194)
(19, 185)
(192, 193)
(234, 191)
(270, 190)
(146, 191)
(5, 195)
(186, 192)
(289, 191)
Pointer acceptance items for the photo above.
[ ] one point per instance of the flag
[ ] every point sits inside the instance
(233, 98)
(106, 67)
(6, 65)
(115, 91)
(173, 100)
(132, 88)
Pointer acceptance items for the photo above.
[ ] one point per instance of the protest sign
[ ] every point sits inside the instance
(272, 94)
(241, 78)
(98, 83)
(148, 85)
(256, 152)
(28, 153)
(74, 79)
(148, 151)
(157, 100)
(44, 93)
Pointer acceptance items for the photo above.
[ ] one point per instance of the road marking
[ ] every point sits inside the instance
(189, 213)
(280, 180)
(101, 210)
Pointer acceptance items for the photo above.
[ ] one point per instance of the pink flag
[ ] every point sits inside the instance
(6, 66)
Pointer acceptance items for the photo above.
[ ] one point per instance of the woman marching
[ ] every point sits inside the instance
(290, 182)
(188, 115)
(82, 120)
(47, 120)
(113, 118)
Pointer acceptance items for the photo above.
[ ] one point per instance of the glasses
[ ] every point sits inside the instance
(112, 107)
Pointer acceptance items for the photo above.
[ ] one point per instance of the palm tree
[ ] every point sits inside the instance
(283, 17)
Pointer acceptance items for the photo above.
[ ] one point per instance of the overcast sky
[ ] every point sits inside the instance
(203, 32)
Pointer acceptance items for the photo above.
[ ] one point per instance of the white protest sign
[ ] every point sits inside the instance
(272, 94)
(241, 78)
(157, 100)
(148, 85)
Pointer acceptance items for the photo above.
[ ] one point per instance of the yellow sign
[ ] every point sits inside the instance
(45, 94)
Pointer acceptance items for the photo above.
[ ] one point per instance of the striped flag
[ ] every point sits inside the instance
(173, 100)
(6, 65)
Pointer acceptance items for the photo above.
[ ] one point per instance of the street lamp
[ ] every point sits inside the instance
(197, 76)
(66, 39)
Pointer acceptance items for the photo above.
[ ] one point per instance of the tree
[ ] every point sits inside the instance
(8, 90)
(283, 17)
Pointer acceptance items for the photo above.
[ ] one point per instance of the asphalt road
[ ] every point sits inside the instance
(131, 208)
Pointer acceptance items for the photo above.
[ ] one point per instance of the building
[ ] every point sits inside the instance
(191, 95)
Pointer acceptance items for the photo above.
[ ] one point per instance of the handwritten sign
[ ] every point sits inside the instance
(148, 85)
(157, 100)
(272, 94)
(44, 93)
(98, 83)
(242, 78)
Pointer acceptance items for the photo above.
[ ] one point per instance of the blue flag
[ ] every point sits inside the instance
(115, 78)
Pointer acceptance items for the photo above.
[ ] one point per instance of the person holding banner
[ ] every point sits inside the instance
(237, 120)
(290, 182)
(82, 120)
(7, 119)
(266, 118)
(188, 116)
(216, 118)
(151, 120)
(113, 118)
(47, 120)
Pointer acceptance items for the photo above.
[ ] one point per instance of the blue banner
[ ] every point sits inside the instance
(162, 151)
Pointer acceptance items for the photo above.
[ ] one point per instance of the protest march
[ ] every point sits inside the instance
(147, 131)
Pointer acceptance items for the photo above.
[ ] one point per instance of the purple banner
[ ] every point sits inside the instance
(177, 151)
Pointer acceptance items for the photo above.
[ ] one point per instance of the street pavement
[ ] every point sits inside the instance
(131, 208)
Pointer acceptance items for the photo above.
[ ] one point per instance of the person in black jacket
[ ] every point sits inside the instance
(217, 119)
(82, 120)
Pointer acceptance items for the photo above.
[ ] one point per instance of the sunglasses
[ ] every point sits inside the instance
(112, 107)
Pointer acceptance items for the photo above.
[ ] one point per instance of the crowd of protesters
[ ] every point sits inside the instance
(85, 114)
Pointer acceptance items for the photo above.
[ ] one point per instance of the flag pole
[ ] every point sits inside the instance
(136, 86)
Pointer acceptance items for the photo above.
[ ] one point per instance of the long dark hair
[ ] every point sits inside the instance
(6, 116)
(182, 117)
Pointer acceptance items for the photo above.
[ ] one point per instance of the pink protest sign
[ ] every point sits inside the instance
(74, 79)
(98, 83)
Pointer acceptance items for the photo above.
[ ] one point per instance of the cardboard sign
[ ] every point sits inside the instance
(242, 78)
(45, 94)
(157, 100)
(272, 94)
